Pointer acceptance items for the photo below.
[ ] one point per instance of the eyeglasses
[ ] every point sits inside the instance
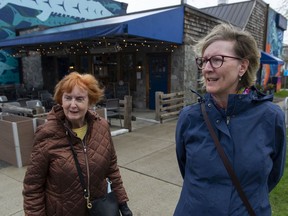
(215, 61)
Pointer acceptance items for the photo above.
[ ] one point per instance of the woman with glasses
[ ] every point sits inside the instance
(52, 184)
(249, 126)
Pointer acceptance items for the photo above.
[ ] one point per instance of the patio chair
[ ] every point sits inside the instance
(32, 104)
(36, 105)
(47, 100)
(14, 103)
(113, 109)
(3, 98)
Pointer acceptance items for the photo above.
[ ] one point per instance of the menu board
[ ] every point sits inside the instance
(121, 89)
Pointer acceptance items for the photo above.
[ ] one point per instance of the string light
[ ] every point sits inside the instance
(104, 44)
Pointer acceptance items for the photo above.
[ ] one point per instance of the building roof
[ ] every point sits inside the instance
(237, 14)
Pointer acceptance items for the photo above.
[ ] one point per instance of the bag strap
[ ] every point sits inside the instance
(81, 177)
(226, 163)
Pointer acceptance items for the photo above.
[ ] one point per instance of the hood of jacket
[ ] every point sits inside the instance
(238, 102)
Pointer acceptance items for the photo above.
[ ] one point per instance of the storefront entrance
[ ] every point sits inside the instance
(158, 76)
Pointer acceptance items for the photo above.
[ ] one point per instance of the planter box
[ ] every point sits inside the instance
(38, 121)
(16, 140)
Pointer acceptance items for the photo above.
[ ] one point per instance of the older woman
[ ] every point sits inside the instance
(250, 128)
(51, 183)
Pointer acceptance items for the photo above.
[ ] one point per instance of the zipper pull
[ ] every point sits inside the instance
(227, 120)
(108, 185)
(84, 147)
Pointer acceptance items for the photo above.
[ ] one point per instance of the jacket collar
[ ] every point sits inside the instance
(239, 102)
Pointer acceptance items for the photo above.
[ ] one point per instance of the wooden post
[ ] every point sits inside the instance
(157, 105)
(128, 112)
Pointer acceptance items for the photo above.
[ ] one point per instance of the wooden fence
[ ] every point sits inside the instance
(168, 105)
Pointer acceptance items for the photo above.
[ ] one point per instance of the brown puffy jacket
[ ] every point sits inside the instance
(51, 183)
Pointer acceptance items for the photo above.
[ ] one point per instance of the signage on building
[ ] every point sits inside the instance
(281, 22)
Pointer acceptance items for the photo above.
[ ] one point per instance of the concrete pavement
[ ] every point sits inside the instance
(149, 169)
(147, 161)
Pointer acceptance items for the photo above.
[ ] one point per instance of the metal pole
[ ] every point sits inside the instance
(286, 110)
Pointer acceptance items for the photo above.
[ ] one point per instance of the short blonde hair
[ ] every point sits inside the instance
(85, 81)
(245, 47)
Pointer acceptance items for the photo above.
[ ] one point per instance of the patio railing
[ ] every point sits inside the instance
(168, 105)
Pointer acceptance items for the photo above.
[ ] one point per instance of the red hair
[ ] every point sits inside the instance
(85, 81)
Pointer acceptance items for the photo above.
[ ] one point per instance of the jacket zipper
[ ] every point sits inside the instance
(228, 120)
(87, 168)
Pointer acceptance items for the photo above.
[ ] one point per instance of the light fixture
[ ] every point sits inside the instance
(139, 66)
(71, 66)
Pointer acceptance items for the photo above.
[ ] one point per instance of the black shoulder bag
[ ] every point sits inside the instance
(226, 163)
(104, 206)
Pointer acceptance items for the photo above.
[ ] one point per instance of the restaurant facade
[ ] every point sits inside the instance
(136, 54)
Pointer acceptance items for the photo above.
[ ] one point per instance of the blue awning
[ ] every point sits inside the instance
(163, 24)
(267, 58)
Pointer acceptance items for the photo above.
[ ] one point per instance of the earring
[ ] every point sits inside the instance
(240, 78)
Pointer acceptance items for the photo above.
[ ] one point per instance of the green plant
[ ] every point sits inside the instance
(279, 196)
(270, 86)
(259, 87)
(281, 94)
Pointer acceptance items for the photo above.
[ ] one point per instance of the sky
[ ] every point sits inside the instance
(140, 5)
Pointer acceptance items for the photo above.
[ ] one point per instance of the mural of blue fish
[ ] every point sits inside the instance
(72, 8)
(21, 14)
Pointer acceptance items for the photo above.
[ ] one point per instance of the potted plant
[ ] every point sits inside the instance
(259, 87)
(270, 88)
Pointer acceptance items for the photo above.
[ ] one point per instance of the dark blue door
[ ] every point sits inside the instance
(158, 76)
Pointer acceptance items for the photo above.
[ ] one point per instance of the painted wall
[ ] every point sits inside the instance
(274, 45)
(19, 14)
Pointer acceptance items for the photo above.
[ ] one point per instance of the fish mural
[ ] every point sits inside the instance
(5, 67)
(8, 68)
(21, 14)
(6, 33)
(71, 8)
(51, 21)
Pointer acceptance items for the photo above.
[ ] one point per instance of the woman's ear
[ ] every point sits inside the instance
(243, 67)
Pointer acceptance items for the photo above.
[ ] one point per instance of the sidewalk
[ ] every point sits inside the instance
(147, 162)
